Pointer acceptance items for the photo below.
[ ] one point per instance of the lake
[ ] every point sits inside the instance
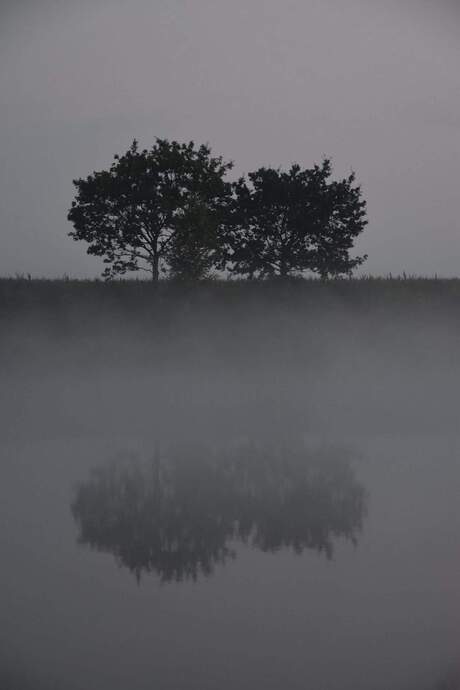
(243, 564)
(232, 487)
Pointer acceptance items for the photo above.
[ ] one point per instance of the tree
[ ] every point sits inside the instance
(154, 209)
(192, 255)
(286, 223)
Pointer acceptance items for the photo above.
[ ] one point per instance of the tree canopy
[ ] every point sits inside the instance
(289, 222)
(154, 209)
(170, 210)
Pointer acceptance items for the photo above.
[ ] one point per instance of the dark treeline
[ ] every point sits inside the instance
(170, 211)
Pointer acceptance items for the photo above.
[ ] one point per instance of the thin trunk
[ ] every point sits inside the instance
(155, 269)
(283, 262)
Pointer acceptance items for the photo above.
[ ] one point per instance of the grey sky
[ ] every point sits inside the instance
(374, 84)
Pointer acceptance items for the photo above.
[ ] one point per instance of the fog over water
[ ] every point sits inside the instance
(229, 488)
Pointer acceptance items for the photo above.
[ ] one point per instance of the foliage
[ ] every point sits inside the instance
(285, 223)
(192, 255)
(153, 210)
(170, 210)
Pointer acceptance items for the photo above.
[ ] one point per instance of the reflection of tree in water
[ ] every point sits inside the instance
(179, 514)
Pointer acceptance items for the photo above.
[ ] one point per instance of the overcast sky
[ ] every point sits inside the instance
(375, 84)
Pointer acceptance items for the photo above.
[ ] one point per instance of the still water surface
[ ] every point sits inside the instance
(129, 563)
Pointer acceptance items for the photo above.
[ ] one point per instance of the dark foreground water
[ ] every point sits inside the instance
(129, 563)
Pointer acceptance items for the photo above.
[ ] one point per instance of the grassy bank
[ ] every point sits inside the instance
(23, 296)
(230, 357)
(270, 324)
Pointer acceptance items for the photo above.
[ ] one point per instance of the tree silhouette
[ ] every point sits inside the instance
(285, 223)
(181, 514)
(154, 209)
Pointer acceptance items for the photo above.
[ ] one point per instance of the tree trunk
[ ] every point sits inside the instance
(155, 269)
(283, 263)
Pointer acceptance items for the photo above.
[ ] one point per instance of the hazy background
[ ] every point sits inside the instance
(374, 84)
